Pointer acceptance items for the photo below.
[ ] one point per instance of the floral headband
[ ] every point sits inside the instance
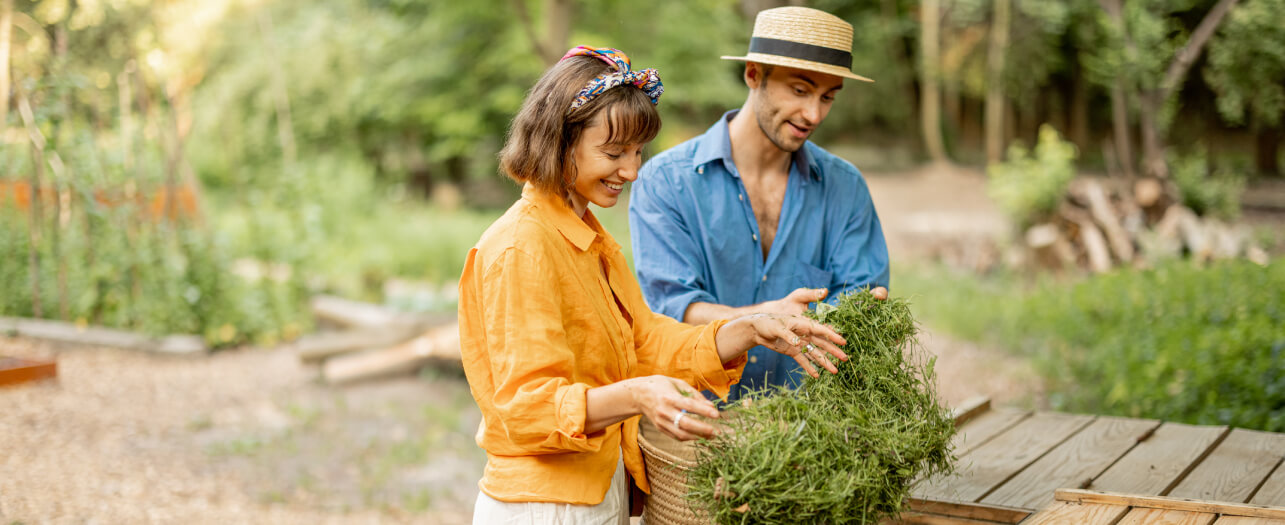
(647, 80)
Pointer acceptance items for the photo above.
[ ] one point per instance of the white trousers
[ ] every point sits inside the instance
(614, 509)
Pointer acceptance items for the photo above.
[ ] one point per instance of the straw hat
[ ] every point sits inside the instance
(802, 38)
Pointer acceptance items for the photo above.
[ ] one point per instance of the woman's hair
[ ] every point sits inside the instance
(542, 135)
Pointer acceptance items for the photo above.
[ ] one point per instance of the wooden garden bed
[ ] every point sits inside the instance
(1029, 467)
(14, 371)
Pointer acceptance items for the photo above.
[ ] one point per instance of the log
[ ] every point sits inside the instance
(1257, 255)
(71, 333)
(441, 343)
(1041, 235)
(1050, 246)
(317, 347)
(1147, 192)
(1105, 216)
(356, 314)
(1095, 245)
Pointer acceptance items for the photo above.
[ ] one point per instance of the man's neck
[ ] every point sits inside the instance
(753, 152)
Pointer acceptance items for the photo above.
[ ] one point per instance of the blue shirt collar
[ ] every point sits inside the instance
(716, 144)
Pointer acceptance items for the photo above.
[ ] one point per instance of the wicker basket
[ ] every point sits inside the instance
(668, 461)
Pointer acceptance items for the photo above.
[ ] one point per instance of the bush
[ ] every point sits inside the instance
(1206, 193)
(1029, 187)
(1179, 342)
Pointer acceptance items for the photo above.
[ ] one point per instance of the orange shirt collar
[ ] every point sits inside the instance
(555, 210)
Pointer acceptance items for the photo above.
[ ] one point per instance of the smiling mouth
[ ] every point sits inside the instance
(616, 187)
(799, 130)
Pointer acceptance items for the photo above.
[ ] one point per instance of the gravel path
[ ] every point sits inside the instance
(241, 437)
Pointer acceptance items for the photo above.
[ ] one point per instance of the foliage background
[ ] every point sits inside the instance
(336, 146)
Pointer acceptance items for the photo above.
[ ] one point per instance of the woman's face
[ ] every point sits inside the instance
(602, 169)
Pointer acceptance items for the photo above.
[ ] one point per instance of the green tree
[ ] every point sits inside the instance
(1246, 68)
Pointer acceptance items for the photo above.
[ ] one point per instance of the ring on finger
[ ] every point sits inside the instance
(679, 417)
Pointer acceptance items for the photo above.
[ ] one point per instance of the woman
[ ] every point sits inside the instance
(560, 350)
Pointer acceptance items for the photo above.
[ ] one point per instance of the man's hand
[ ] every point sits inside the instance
(795, 303)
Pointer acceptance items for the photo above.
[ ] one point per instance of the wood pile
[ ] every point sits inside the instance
(370, 341)
(1106, 223)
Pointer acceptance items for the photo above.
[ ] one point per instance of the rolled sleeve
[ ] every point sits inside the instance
(666, 255)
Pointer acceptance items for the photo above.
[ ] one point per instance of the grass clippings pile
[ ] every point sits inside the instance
(843, 448)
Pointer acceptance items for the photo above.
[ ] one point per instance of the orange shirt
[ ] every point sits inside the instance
(539, 327)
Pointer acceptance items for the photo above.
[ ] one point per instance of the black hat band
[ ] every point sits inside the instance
(809, 52)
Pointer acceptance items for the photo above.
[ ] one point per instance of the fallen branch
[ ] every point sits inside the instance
(441, 343)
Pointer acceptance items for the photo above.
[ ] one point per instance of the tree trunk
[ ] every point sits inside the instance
(930, 90)
(1119, 104)
(1151, 101)
(36, 216)
(1267, 151)
(897, 55)
(751, 8)
(995, 82)
(1079, 111)
(558, 16)
(280, 96)
(6, 36)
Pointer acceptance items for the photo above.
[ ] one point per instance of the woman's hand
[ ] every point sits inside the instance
(803, 339)
(669, 403)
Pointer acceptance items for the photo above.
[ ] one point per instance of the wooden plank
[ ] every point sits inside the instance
(1234, 470)
(921, 518)
(985, 427)
(970, 409)
(1171, 503)
(1160, 461)
(1072, 464)
(993, 463)
(14, 371)
(1242, 520)
(1273, 491)
(987, 513)
(1166, 517)
(977, 431)
(1066, 513)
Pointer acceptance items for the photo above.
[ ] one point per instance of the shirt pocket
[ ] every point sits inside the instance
(808, 276)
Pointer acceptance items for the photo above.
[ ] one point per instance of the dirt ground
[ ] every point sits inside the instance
(250, 436)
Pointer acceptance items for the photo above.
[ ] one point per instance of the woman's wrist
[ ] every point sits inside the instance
(610, 404)
(734, 338)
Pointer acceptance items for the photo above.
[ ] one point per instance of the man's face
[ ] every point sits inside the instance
(790, 103)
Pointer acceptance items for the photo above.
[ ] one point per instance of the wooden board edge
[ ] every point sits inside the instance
(975, 511)
(27, 372)
(66, 333)
(1164, 502)
(970, 408)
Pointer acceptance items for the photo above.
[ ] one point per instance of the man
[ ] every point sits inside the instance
(751, 216)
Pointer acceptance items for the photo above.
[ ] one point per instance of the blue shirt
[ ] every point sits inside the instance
(695, 238)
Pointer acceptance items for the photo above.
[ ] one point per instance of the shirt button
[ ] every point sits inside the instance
(756, 237)
(700, 170)
(764, 278)
(741, 196)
